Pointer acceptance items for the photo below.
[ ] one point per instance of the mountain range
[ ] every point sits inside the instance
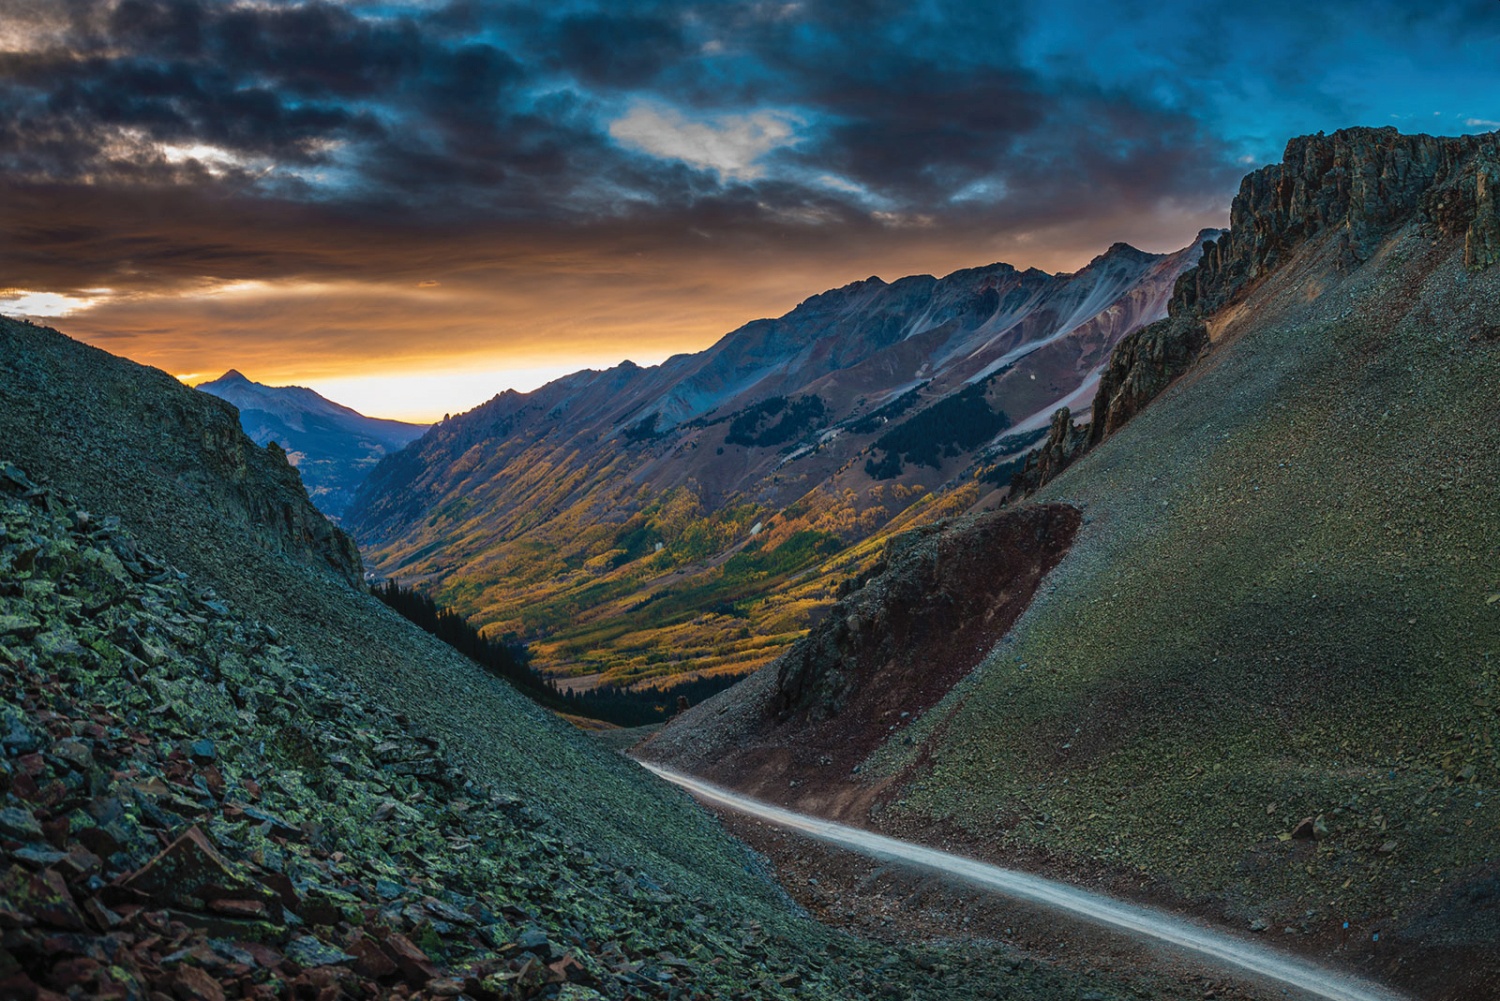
(729, 489)
(332, 446)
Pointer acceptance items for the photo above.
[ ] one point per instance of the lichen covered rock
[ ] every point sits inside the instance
(188, 809)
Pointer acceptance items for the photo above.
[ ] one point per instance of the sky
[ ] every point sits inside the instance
(411, 205)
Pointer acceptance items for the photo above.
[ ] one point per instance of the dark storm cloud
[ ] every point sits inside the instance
(615, 50)
(145, 142)
(505, 108)
(913, 103)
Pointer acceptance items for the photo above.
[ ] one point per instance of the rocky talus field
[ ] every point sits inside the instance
(1263, 684)
(227, 772)
(191, 810)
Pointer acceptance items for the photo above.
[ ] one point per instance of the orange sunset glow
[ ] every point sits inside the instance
(470, 198)
(397, 339)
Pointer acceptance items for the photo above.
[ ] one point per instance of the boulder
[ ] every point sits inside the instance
(190, 872)
(42, 896)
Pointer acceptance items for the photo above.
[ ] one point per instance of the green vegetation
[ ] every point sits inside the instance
(887, 412)
(684, 585)
(958, 422)
(801, 550)
(754, 426)
(643, 429)
(887, 467)
(509, 659)
(1001, 474)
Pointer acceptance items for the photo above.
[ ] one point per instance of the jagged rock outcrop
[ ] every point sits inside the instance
(1482, 238)
(67, 409)
(940, 590)
(1358, 185)
(1143, 365)
(1065, 442)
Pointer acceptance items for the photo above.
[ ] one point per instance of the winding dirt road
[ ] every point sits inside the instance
(1223, 950)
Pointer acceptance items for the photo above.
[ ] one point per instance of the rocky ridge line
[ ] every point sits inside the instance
(1360, 184)
(68, 406)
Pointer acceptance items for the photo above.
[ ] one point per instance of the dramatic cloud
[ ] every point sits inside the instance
(352, 187)
(732, 145)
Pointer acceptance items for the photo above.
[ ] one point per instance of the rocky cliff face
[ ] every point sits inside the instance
(66, 409)
(936, 592)
(1143, 365)
(1065, 442)
(1355, 187)
(1482, 236)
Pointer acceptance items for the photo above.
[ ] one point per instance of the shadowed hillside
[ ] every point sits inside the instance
(227, 771)
(1263, 681)
(173, 465)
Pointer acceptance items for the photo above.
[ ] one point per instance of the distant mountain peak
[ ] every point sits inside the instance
(1122, 251)
(333, 446)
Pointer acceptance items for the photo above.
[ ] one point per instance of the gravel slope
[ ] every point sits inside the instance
(1280, 608)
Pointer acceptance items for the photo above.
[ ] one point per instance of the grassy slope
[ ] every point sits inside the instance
(713, 601)
(1279, 597)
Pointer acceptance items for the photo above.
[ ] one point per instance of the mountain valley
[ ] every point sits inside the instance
(695, 517)
(1226, 646)
(749, 501)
